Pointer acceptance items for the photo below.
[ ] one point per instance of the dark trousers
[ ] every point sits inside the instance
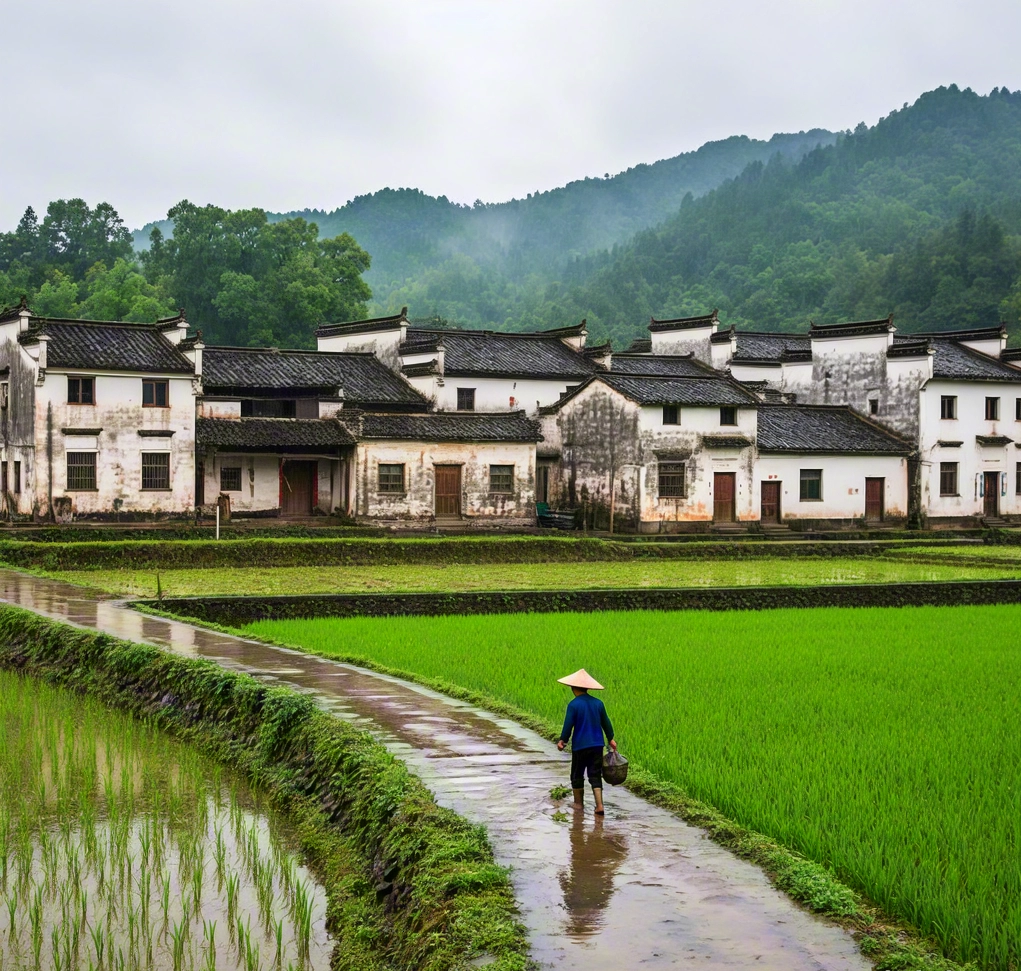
(588, 760)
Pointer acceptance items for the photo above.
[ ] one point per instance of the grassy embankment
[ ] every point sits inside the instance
(880, 743)
(408, 884)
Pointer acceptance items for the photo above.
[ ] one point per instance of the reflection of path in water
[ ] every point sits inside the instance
(588, 883)
(677, 898)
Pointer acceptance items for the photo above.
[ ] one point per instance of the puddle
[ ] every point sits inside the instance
(640, 889)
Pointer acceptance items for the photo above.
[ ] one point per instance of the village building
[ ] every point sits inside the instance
(98, 417)
(474, 370)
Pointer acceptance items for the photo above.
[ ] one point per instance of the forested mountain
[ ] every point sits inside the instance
(919, 215)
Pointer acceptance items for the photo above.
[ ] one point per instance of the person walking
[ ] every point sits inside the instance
(587, 720)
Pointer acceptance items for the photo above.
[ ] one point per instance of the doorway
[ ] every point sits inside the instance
(991, 494)
(542, 483)
(874, 489)
(296, 487)
(723, 497)
(770, 511)
(448, 490)
(200, 483)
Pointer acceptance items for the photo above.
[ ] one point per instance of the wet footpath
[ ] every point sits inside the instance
(639, 889)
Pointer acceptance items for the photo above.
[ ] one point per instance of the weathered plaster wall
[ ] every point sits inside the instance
(500, 394)
(383, 343)
(843, 484)
(119, 415)
(219, 409)
(260, 480)
(694, 340)
(420, 458)
(17, 421)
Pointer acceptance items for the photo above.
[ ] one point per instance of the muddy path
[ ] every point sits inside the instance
(640, 889)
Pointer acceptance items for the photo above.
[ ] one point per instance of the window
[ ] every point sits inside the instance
(154, 394)
(672, 481)
(5, 394)
(269, 408)
(1017, 479)
(230, 478)
(501, 478)
(1017, 409)
(873, 406)
(948, 407)
(5, 484)
(81, 391)
(948, 478)
(811, 485)
(17, 478)
(671, 414)
(465, 399)
(992, 409)
(156, 470)
(391, 478)
(81, 471)
(728, 415)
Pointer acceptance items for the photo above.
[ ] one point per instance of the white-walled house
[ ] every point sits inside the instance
(473, 370)
(98, 417)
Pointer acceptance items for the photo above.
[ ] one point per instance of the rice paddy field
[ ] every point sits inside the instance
(121, 849)
(527, 576)
(883, 743)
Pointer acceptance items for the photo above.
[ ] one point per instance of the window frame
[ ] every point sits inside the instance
(992, 408)
(387, 489)
(948, 403)
(1017, 409)
(724, 411)
(508, 475)
(155, 383)
(80, 380)
(230, 469)
(155, 488)
(466, 394)
(17, 477)
(671, 414)
(949, 469)
(5, 395)
(873, 406)
(807, 477)
(672, 470)
(90, 473)
(1017, 480)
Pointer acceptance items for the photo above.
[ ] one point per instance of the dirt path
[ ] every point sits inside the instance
(641, 889)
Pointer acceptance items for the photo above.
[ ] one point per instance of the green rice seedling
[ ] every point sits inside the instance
(98, 935)
(177, 939)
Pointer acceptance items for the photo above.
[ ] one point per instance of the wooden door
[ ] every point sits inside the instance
(448, 490)
(991, 490)
(723, 497)
(296, 488)
(770, 512)
(200, 483)
(874, 500)
(542, 483)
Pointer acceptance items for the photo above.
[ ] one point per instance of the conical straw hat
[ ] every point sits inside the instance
(581, 679)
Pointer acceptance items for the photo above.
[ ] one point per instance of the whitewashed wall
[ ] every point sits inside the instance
(494, 394)
(420, 459)
(383, 343)
(260, 480)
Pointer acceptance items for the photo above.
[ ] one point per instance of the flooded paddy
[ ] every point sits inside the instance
(122, 849)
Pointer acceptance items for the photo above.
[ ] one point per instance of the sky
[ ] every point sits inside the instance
(308, 103)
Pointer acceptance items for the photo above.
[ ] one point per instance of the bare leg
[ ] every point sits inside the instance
(598, 793)
(579, 797)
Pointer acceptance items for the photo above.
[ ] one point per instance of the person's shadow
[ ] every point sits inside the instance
(588, 883)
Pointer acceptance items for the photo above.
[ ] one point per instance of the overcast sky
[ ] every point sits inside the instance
(307, 103)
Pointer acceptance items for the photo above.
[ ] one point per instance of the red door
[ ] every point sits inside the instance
(991, 499)
(723, 497)
(448, 490)
(770, 512)
(874, 500)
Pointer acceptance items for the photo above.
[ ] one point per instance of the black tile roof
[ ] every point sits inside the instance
(362, 378)
(487, 353)
(951, 360)
(707, 391)
(824, 428)
(683, 323)
(391, 322)
(640, 345)
(261, 434)
(754, 346)
(96, 345)
(857, 328)
(445, 426)
(660, 365)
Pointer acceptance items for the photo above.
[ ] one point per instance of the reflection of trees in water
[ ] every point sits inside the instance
(588, 882)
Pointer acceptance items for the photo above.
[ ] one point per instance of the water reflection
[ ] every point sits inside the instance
(588, 883)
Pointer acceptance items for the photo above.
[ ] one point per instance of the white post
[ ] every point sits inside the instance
(217, 520)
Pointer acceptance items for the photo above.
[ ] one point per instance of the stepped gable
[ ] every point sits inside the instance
(954, 361)
(444, 426)
(824, 428)
(392, 322)
(709, 391)
(683, 323)
(487, 353)
(760, 346)
(102, 345)
(660, 365)
(271, 434)
(361, 378)
(857, 328)
(640, 345)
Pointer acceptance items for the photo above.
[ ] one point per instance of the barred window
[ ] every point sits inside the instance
(81, 391)
(230, 478)
(811, 485)
(728, 415)
(948, 478)
(81, 471)
(948, 407)
(465, 399)
(391, 478)
(992, 409)
(156, 470)
(154, 394)
(671, 414)
(672, 480)
(501, 478)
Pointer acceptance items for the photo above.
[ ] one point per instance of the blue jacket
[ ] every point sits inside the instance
(587, 718)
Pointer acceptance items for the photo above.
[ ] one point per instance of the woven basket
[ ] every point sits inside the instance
(614, 768)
